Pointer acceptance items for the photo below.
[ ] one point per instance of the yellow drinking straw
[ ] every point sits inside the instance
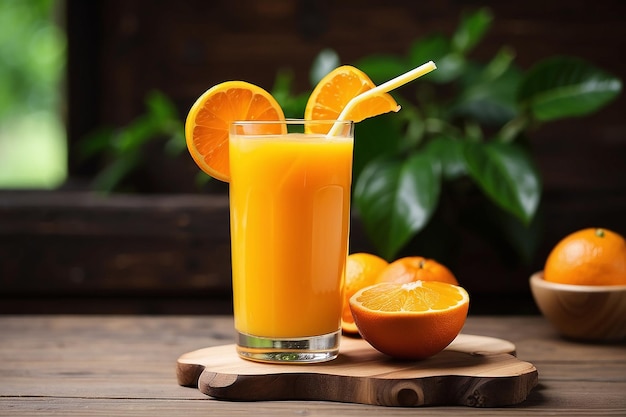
(392, 84)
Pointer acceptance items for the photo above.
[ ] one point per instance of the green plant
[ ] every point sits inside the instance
(456, 156)
(457, 153)
(124, 147)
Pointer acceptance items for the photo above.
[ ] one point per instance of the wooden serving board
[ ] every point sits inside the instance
(474, 371)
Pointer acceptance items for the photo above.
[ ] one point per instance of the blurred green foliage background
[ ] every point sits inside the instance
(33, 149)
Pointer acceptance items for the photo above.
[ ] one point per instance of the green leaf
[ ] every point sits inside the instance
(507, 175)
(450, 64)
(326, 61)
(374, 137)
(471, 30)
(382, 68)
(283, 82)
(449, 68)
(281, 91)
(176, 143)
(432, 47)
(293, 105)
(448, 153)
(499, 64)
(296, 104)
(160, 106)
(112, 176)
(490, 101)
(561, 87)
(132, 137)
(396, 198)
(98, 141)
(415, 128)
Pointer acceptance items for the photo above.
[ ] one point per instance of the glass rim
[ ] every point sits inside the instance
(292, 121)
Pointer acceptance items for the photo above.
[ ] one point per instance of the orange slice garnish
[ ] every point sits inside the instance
(209, 119)
(337, 88)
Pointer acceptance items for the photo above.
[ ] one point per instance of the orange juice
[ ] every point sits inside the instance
(290, 211)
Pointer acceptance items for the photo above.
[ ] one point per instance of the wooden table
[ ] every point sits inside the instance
(125, 365)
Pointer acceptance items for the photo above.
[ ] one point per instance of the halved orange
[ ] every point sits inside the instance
(208, 121)
(362, 269)
(416, 268)
(410, 321)
(337, 88)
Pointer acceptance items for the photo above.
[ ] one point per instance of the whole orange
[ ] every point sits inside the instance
(592, 256)
(361, 271)
(416, 268)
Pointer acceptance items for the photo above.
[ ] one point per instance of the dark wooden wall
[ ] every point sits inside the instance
(120, 50)
(76, 252)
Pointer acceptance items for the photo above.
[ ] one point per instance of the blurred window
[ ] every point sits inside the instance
(33, 146)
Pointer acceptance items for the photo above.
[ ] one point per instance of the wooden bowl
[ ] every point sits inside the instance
(583, 312)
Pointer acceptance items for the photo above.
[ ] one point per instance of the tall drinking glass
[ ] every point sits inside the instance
(289, 219)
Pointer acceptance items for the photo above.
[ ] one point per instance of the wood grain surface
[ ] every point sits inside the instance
(72, 365)
(473, 371)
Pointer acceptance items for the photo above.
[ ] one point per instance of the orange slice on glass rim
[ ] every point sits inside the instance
(337, 88)
(209, 119)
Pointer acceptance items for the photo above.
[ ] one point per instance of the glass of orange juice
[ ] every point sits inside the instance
(289, 215)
